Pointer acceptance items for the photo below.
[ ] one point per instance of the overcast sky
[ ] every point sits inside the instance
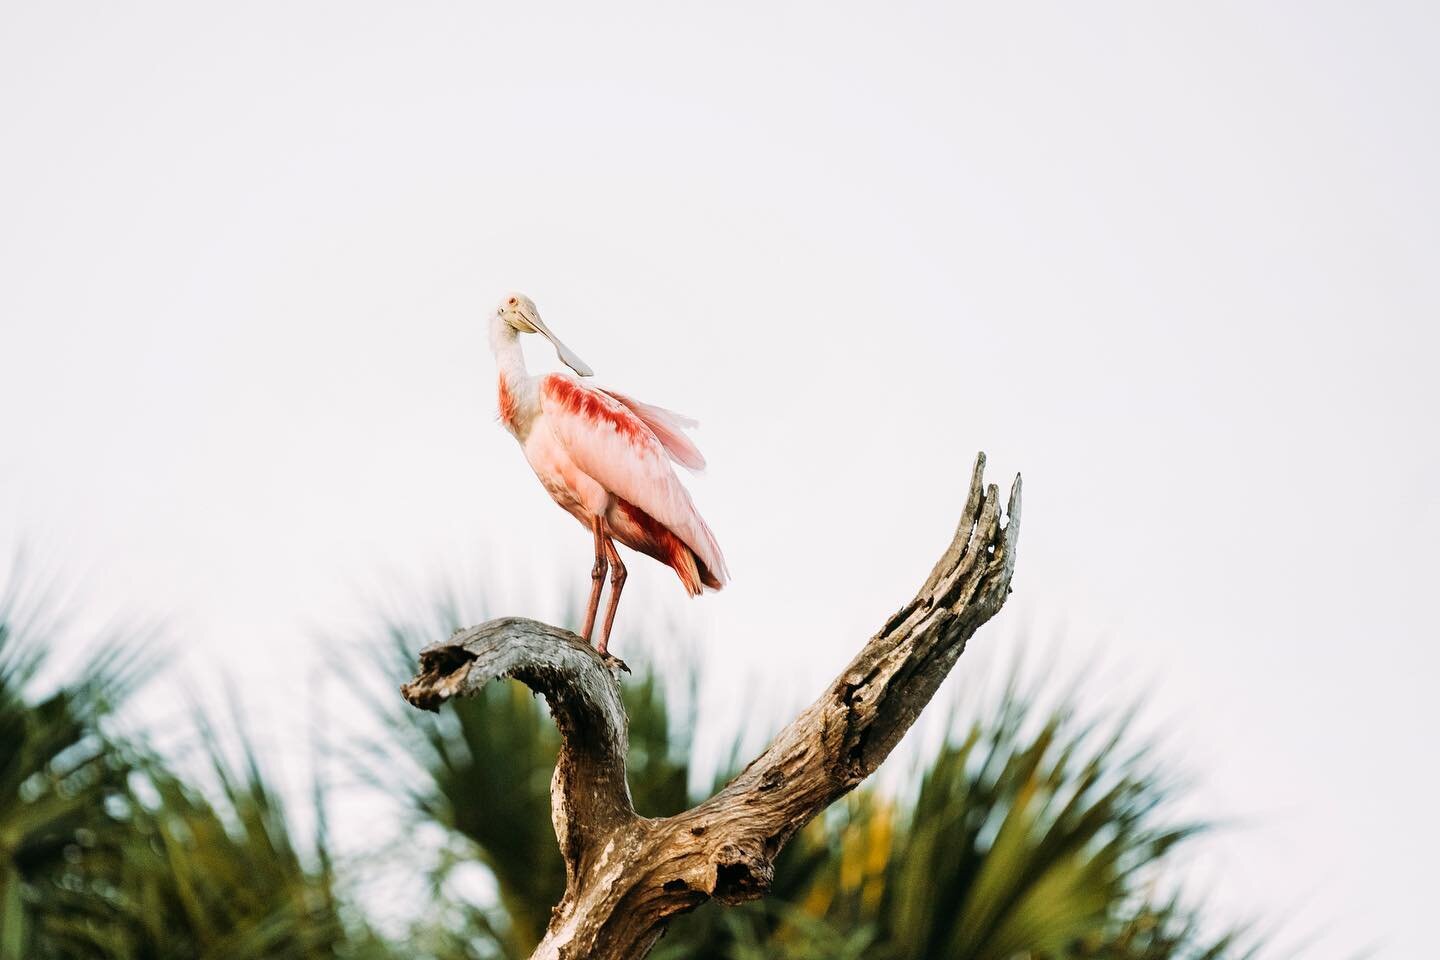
(1175, 262)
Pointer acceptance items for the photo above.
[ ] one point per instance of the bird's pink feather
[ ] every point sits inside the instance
(669, 428)
(609, 440)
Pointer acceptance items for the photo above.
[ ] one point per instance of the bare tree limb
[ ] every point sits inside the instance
(589, 793)
(626, 874)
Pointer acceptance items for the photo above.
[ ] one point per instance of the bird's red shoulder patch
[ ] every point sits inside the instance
(595, 407)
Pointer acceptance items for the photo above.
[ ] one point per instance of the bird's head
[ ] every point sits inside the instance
(520, 312)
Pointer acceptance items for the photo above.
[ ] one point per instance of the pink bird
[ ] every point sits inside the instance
(605, 458)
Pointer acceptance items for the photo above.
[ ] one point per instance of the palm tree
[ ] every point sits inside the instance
(211, 873)
(57, 774)
(106, 851)
(1030, 835)
(218, 873)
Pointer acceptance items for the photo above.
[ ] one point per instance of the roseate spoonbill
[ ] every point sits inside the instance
(604, 457)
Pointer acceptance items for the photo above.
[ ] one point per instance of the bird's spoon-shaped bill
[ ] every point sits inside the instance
(566, 355)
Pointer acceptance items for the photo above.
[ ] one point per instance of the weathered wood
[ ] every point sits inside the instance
(589, 792)
(627, 875)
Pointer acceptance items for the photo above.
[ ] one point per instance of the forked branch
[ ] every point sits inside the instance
(626, 874)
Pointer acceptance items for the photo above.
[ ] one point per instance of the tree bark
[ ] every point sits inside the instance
(627, 875)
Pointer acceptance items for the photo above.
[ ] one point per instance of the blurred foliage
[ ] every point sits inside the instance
(1027, 834)
(57, 776)
(212, 873)
(105, 851)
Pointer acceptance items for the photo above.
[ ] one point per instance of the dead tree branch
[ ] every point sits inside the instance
(627, 875)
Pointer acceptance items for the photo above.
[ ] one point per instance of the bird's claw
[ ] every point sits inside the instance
(614, 663)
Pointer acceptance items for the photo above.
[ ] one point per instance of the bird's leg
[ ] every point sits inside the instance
(617, 583)
(597, 579)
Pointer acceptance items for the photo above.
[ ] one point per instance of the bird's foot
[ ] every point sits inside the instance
(613, 662)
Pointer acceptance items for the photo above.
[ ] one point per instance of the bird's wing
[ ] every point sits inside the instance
(614, 445)
(669, 428)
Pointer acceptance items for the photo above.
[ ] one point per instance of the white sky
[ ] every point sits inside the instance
(1176, 262)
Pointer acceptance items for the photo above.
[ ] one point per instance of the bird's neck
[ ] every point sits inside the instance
(505, 344)
(519, 399)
